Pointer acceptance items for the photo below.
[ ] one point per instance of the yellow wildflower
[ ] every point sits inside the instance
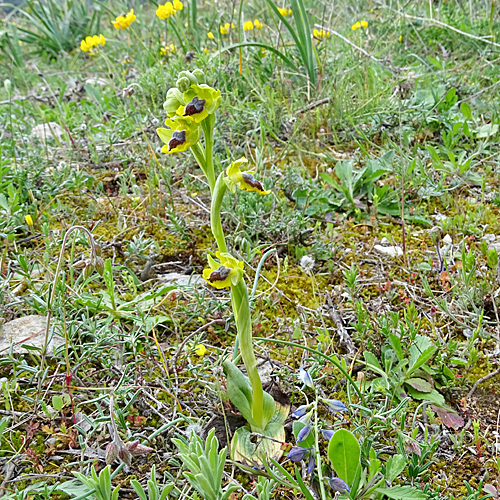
(290, 12)
(178, 5)
(210, 35)
(283, 12)
(165, 11)
(400, 39)
(224, 29)
(248, 26)
(123, 22)
(90, 43)
(168, 49)
(258, 25)
(321, 34)
(206, 50)
(199, 349)
(364, 24)
(28, 220)
(186, 25)
(356, 26)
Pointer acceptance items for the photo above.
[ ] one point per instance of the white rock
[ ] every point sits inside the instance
(391, 251)
(44, 131)
(29, 331)
(385, 242)
(447, 240)
(489, 238)
(177, 279)
(97, 81)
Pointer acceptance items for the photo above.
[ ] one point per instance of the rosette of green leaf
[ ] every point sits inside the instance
(264, 416)
(205, 466)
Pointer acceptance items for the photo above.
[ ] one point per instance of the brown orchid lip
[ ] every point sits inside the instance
(252, 181)
(219, 274)
(194, 107)
(178, 138)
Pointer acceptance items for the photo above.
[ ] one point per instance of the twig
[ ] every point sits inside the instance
(314, 104)
(481, 380)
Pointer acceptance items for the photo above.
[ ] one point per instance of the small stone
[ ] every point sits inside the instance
(392, 251)
(177, 279)
(489, 238)
(44, 131)
(29, 331)
(385, 242)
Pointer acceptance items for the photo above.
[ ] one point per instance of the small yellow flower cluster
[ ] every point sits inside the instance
(169, 49)
(321, 34)
(286, 12)
(249, 26)
(224, 30)
(363, 24)
(123, 22)
(169, 9)
(90, 43)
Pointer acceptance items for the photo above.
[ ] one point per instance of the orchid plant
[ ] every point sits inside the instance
(191, 107)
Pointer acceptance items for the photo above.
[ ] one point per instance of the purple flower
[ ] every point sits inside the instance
(306, 419)
(298, 453)
(304, 433)
(336, 484)
(306, 378)
(300, 411)
(311, 464)
(334, 405)
(327, 434)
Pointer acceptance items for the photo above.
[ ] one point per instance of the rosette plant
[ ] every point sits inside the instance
(191, 107)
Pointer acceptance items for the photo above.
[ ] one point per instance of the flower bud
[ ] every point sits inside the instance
(97, 250)
(311, 464)
(111, 453)
(136, 448)
(334, 405)
(89, 270)
(297, 453)
(192, 79)
(336, 484)
(301, 411)
(125, 456)
(327, 434)
(304, 433)
(199, 75)
(80, 264)
(183, 84)
(99, 265)
(173, 100)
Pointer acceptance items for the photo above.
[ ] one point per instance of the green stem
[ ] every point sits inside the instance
(317, 451)
(215, 220)
(241, 308)
(208, 131)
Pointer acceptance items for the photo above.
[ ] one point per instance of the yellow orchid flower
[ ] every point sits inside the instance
(228, 271)
(181, 135)
(243, 179)
(202, 101)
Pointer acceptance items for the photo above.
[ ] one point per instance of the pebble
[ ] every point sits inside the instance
(391, 251)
